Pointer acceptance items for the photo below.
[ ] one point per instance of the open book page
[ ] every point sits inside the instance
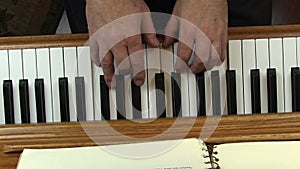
(259, 155)
(180, 154)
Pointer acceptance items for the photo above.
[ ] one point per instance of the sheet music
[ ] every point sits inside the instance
(259, 155)
(178, 154)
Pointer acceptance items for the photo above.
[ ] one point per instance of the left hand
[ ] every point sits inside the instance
(203, 23)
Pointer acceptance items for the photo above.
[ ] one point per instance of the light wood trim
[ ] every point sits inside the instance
(48, 41)
(268, 127)
(260, 32)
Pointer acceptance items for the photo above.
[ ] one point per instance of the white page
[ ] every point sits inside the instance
(259, 155)
(185, 154)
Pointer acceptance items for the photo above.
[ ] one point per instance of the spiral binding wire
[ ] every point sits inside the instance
(212, 160)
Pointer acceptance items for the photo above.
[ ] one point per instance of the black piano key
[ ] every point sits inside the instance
(231, 92)
(215, 90)
(24, 101)
(136, 101)
(64, 99)
(160, 95)
(40, 100)
(176, 94)
(295, 89)
(80, 98)
(255, 91)
(8, 102)
(201, 100)
(272, 90)
(120, 97)
(105, 106)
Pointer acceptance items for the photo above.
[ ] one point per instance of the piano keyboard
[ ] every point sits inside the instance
(58, 83)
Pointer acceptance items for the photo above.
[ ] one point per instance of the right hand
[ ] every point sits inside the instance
(114, 35)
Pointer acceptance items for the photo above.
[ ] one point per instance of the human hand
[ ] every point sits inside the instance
(115, 34)
(204, 24)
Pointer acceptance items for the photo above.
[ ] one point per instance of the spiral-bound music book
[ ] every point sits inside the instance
(176, 154)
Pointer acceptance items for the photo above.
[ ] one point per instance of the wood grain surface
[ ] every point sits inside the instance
(236, 33)
(214, 130)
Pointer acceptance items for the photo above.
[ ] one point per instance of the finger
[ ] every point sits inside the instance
(224, 45)
(171, 31)
(184, 54)
(197, 66)
(120, 53)
(138, 68)
(107, 64)
(216, 50)
(149, 31)
(185, 46)
(215, 58)
(136, 53)
(202, 52)
(94, 50)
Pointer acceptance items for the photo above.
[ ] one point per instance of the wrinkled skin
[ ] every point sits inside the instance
(209, 16)
(102, 12)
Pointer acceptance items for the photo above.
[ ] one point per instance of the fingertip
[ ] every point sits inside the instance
(108, 80)
(197, 69)
(152, 40)
(139, 79)
(155, 42)
(139, 82)
(168, 41)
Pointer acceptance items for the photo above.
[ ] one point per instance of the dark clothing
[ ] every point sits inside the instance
(241, 12)
(249, 12)
(76, 15)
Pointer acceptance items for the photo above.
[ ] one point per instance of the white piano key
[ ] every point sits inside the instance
(57, 71)
(289, 60)
(16, 73)
(298, 51)
(223, 97)
(71, 71)
(144, 90)
(43, 70)
(185, 97)
(85, 70)
(276, 61)
(262, 57)
(249, 62)
(192, 94)
(236, 63)
(30, 73)
(128, 96)
(185, 100)
(208, 95)
(192, 89)
(97, 71)
(113, 103)
(4, 75)
(167, 68)
(153, 59)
